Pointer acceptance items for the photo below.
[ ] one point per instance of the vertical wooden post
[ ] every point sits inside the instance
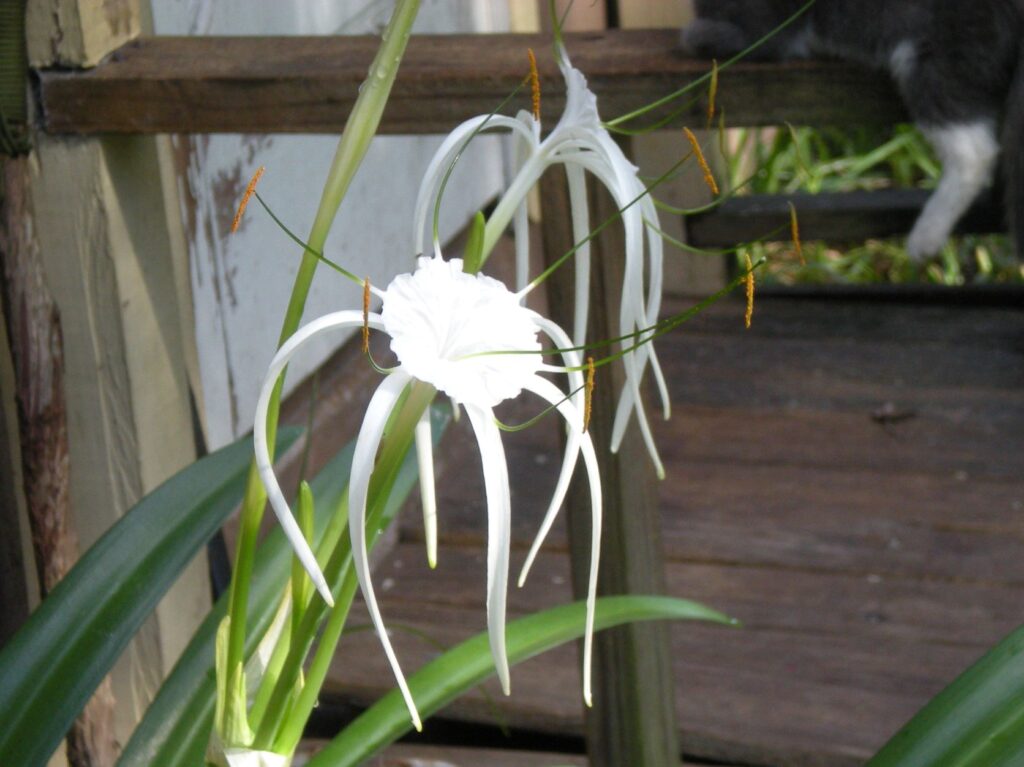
(102, 256)
(633, 719)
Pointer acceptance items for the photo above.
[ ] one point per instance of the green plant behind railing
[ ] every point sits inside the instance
(814, 160)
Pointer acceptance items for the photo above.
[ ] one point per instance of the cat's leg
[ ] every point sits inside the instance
(968, 152)
(711, 38)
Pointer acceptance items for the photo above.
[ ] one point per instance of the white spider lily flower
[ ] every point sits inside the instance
(581, 143)
(471, 338)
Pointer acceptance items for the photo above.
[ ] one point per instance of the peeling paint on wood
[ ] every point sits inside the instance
(78, 33)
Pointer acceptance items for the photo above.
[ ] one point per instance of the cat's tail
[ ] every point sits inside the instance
(1013, 155)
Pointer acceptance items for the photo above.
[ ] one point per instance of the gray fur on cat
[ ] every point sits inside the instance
(959, 65)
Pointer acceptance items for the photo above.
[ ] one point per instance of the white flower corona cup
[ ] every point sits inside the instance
(582, 144)
(472, 339)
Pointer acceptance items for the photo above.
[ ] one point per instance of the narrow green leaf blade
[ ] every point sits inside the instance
(469, 663)
(977, 721)
(175, 729)
(54, 663)
(177, 723)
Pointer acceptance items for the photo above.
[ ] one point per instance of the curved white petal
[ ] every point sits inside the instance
(343, 319)
(544, 388)
(521, 184)
(572, 443)
(499, 533)
(580, 234)
(521, 228)
(377, 412)
(445, 155)
(425, 460)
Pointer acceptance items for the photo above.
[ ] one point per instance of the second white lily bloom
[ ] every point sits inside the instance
(581, 143)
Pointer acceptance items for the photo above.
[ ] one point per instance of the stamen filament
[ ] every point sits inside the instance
(588, 405)
(661, 205)
(306, 246)
(722, 148)
(794, 229)
(685, 246)
(712, 91)
(537, 418)
(704, 78)
(640, 336)
(560, 261)
(249, 191)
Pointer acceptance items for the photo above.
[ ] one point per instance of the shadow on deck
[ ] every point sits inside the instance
(845, 478)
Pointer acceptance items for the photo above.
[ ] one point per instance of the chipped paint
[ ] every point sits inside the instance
(241, 282)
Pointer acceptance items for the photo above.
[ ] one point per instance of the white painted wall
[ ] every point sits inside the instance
(241, 282)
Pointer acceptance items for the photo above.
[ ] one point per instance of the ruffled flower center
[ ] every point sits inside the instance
(451, 330)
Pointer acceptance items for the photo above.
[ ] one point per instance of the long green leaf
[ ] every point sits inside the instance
(177, 724)
(977, 721)
(469, 663)
(54, 663)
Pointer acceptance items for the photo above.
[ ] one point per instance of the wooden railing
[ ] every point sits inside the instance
(308, 84)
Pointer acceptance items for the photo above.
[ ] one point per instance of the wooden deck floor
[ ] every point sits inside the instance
(847, 478)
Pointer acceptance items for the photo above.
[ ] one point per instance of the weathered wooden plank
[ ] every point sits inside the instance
(308, 85)
(77, 33)
(840, 519)
(866, 321)
(410, 755)
(781, 690)
(763, 597)
(834, 217)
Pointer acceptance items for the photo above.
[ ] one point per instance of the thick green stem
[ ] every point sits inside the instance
(355, 140)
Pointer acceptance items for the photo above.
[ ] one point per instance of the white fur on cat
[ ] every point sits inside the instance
(968, 154)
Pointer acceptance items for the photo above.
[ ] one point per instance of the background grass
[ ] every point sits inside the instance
(843, 160)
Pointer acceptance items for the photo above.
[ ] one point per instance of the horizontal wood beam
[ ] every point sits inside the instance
(309, 84)
(835, 217)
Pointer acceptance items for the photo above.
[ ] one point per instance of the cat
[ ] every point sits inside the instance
(958, 64)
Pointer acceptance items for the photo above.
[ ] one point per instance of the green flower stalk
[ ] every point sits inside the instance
(359, 130)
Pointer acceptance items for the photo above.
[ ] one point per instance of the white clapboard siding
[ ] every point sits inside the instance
(241, 282)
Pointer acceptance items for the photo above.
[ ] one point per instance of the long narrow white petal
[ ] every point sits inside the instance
(343, 319)
(544, 388)
(521, 232)
(572, 443)
(425, 459)
(516, 192)
(377, 412)
(580, 231)
(444, 156)
(499, 533)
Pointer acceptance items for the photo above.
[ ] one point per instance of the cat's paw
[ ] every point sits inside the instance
(926, 240)
(709, 38)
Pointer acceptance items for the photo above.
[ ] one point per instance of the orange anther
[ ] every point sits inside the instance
(534, 84)
(249, 191)
(709, 179)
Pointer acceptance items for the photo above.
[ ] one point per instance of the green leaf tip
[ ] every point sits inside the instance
(473, 256)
